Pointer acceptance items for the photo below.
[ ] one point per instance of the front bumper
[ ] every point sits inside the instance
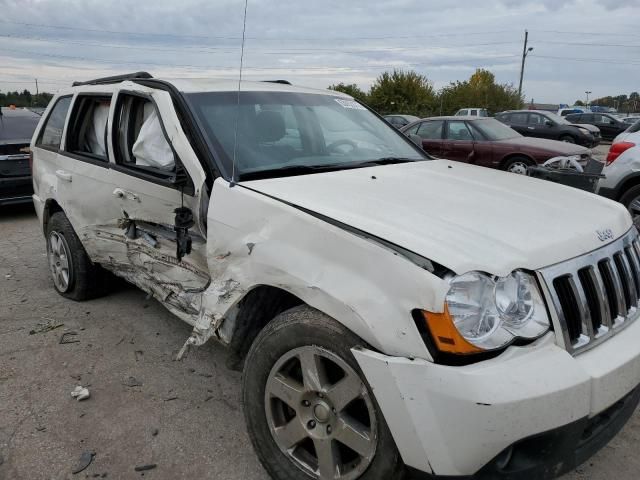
(460, 421)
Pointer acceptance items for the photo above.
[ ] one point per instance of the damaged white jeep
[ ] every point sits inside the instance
(391, 312)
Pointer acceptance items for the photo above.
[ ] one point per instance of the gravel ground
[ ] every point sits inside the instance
(184, 417)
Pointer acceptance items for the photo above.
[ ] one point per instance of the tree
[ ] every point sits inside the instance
(25, 99)
(404, 92)
(481, 90)
(579, 103)
(351, 89)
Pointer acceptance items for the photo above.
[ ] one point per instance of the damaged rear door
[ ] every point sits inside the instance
(158, 186)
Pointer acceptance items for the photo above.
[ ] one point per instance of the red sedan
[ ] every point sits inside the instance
(487, 142)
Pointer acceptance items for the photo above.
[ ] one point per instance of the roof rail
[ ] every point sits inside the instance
(115, 79)
(282, 82)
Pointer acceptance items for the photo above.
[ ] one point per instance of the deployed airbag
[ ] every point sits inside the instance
(151, 148)
(95, 134)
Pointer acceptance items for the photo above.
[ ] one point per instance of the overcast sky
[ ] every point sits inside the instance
(579, 44)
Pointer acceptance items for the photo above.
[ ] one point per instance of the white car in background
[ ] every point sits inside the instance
(631, 119)
(622, 172)
(472, 112)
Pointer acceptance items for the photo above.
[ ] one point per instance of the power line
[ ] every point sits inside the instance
(589, 60)
(323, 37)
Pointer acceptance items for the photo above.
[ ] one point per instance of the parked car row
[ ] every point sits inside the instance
(487, 142)
(550, 126)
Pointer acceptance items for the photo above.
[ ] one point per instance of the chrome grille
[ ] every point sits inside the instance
(597, 294)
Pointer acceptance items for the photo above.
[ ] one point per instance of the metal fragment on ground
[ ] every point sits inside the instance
(143, 468)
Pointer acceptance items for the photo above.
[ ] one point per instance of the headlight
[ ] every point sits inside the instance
(585, 131)
(488, 313)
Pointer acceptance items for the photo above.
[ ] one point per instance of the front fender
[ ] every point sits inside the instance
(370, 289)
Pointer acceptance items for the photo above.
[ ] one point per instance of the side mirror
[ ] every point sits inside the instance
(417, 139)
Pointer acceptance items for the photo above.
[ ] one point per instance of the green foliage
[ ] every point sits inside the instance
(24, 99)
(579, 103)
(351, 89)
(404, 92)
(481, 90)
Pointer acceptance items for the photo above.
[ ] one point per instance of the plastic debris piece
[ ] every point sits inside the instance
(132, 382)
(85, 460)
(80, 393)
(143, 468)
(45, 327)
(67, 337)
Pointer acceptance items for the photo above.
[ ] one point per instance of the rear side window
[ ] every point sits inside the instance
(139, 139)
(431, 130)
(536, 119)
(51, 134)
(458, 131)
(573, 117)
(88, 127)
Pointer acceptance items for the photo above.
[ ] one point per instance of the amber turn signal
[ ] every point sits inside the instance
(445, 334)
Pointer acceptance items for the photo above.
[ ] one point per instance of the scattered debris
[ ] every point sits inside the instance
(132, 382)
(46, 327)
(1, 460)
(250, 247)
(223, 256)
(206, 375)
(80, 393)
(120, 341)
(7, 276)
(144, 468)
(155, 432)
(41, 428)
(85, 460)
(67, 337)
(210, 397)
(170, 399)
(138, 354)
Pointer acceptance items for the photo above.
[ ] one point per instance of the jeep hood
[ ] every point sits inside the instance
(461, 216)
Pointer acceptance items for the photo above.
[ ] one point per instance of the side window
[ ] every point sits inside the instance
(88, 127)
(474, 113)
(518, 118)
(588, 118)
(139, 139)
(413, 130)
(458, 131)
(431, 130)
(51, 134)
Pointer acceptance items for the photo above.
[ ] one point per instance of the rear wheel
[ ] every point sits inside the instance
(567, 139)
(631, 200)
(309, 410)
(74, 275)
(518, 165)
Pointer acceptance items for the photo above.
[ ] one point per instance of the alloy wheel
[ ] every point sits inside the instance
(320, 414)
(520, 168)
(59, 261)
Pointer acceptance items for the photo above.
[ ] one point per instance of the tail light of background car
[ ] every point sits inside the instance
(618, 149)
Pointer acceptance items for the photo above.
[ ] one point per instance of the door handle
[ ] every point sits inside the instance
(531, 128)
(125, 195)
(62, 175)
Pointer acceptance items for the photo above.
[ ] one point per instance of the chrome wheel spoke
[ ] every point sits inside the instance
(64, 263)
(291, 434)
(286, 389)
(328, 459)
(312, 371)
(355, 436)
(634, 207)
(345, 391)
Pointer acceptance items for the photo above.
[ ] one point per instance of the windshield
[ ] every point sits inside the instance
(287, 130)
(492, 129)
(557, 118)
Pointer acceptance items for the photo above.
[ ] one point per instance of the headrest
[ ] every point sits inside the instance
(269, 126)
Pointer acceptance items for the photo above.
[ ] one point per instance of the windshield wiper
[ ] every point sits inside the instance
(293, 170)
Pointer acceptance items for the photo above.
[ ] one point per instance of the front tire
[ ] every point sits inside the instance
(567, 139)
(518, 165)
(309, 410)
(74, 275)
(631, 200)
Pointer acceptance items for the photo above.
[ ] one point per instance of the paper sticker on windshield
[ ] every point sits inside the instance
(353, 105)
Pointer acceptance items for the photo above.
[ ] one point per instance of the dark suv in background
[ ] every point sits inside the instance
(610, 126)
(550, 126)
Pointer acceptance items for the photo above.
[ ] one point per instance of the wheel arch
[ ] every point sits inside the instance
(628, 183)
(51, 206)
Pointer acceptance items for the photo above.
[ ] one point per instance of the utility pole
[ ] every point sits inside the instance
(525, 51)
(588, 92)
(36, 87)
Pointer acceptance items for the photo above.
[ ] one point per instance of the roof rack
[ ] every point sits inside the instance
(115, 79)
(282, 82)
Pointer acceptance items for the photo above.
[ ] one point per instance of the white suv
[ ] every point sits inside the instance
(391, 312)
